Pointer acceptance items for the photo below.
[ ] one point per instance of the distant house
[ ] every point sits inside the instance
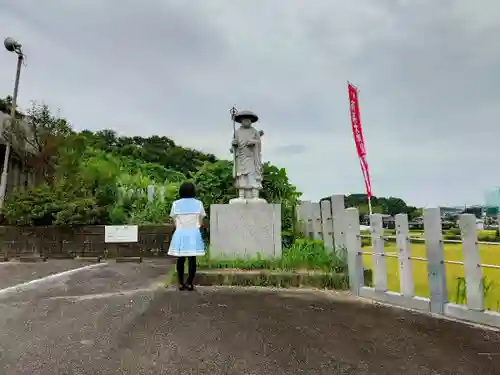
(445, 211)
(388, 221)
(417, 223)
(19, 175)
(480, 224)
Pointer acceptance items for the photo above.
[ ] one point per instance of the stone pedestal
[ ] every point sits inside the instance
(242, 231)
(247, 201)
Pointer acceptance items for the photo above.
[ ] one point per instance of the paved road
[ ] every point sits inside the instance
(14, 273)
(118, 319)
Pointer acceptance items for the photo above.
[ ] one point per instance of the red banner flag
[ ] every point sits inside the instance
(358, 136)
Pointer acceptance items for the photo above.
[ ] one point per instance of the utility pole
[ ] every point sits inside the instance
(11, 45)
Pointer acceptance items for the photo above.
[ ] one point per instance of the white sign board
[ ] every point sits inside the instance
(121, 233)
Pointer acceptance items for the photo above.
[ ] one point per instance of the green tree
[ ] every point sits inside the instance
(390, 205)
(278, 189)
(36, 138)
(102, 178)
(214, 182)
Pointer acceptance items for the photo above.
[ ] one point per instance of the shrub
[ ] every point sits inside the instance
(448, 225)
(488, 237)
(453, 237)
(366, 241)
(368, 277)
(287, 238)
(302, 254)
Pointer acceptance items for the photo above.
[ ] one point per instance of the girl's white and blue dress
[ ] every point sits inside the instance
(186, 240)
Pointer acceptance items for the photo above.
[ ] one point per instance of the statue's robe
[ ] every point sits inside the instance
(248, 159)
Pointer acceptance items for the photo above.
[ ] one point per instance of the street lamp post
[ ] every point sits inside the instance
(11, 45)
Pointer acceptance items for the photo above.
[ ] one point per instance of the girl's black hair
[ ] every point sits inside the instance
(187, 190)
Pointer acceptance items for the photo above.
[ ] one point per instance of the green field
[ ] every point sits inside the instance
(489, 254)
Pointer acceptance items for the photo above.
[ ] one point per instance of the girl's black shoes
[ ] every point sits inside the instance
(189, 287)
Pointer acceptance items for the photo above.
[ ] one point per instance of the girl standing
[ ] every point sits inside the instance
(187, 242)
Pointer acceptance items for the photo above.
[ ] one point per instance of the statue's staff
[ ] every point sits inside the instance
(233, 111)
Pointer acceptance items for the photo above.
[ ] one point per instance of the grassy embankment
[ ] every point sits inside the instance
(317, 265)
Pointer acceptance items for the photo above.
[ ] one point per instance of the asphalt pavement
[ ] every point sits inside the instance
(14, 273)
(120, 319)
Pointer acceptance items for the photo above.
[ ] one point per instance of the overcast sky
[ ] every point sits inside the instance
(428, 73)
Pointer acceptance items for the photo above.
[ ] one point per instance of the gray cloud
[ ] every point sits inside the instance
(428, 74)
(292, 150)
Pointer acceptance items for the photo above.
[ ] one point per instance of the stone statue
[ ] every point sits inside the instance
(247, 151)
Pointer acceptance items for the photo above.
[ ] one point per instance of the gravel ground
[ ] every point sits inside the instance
(119, 319)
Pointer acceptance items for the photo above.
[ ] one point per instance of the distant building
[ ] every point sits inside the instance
(449, 211)
(480, 224)
(19, 175)
(388, 221)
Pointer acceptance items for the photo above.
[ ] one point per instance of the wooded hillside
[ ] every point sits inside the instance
(101, 178)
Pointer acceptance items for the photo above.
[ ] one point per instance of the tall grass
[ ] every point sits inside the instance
(461, 291)
(302, 254)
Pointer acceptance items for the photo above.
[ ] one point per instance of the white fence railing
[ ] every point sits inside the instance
(340, 227)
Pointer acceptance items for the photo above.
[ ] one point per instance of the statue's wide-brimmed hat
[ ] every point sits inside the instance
(246, 114)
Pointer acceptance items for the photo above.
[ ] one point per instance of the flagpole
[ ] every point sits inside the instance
(233, 111)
